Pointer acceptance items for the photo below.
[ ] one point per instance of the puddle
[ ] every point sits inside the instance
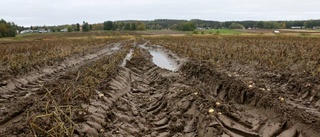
(162, 60)
(127, 58)
(115, 48)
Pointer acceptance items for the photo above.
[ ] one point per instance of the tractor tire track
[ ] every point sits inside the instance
(21, 94)
(145, 100)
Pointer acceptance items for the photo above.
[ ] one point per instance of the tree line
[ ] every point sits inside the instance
(183, 25)
(197, 23)
(256, 24)
(188, 25)
(172, 24)
(119, 25)
(85, 26)
(7, 29)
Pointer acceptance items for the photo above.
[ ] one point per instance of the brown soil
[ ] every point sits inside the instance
(141, 99)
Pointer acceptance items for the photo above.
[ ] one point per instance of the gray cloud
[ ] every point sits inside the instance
(55, 12)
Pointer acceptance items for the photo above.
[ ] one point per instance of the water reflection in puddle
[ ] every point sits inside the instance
(115, 48)
(128, 57)
(161, 59)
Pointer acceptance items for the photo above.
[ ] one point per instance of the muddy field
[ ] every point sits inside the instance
(138, 88)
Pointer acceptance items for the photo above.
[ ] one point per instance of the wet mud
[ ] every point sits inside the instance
(24, 94)
(146, 100)
(142, 99)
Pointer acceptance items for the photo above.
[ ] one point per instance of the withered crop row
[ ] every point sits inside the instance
(20, 57)
(63, 98)
(273, 53)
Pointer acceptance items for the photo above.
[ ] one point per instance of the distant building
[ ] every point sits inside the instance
(316, 27)
(80, 28)
(200, 28)
(26, 31)
(42, 31)
(298, 27)
(64, 30)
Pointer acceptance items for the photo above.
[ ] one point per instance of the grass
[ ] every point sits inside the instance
(112, 33)
(127, 33)
(222, 31)
(164, 32)
(23, 35)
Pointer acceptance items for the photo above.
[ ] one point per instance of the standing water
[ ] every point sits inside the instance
(127, 58)
(161, 59)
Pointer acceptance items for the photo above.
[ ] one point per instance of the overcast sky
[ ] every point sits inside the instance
(57, 12)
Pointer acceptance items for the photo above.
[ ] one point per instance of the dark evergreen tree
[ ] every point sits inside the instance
(78, 27)
(85, 26)
(127, 26)
(133, 26)
(108, 25)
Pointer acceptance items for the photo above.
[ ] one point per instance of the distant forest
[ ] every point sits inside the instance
(8, 29)
(184, 25)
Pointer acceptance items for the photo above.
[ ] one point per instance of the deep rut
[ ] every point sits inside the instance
(145, 100)
(19, 94)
